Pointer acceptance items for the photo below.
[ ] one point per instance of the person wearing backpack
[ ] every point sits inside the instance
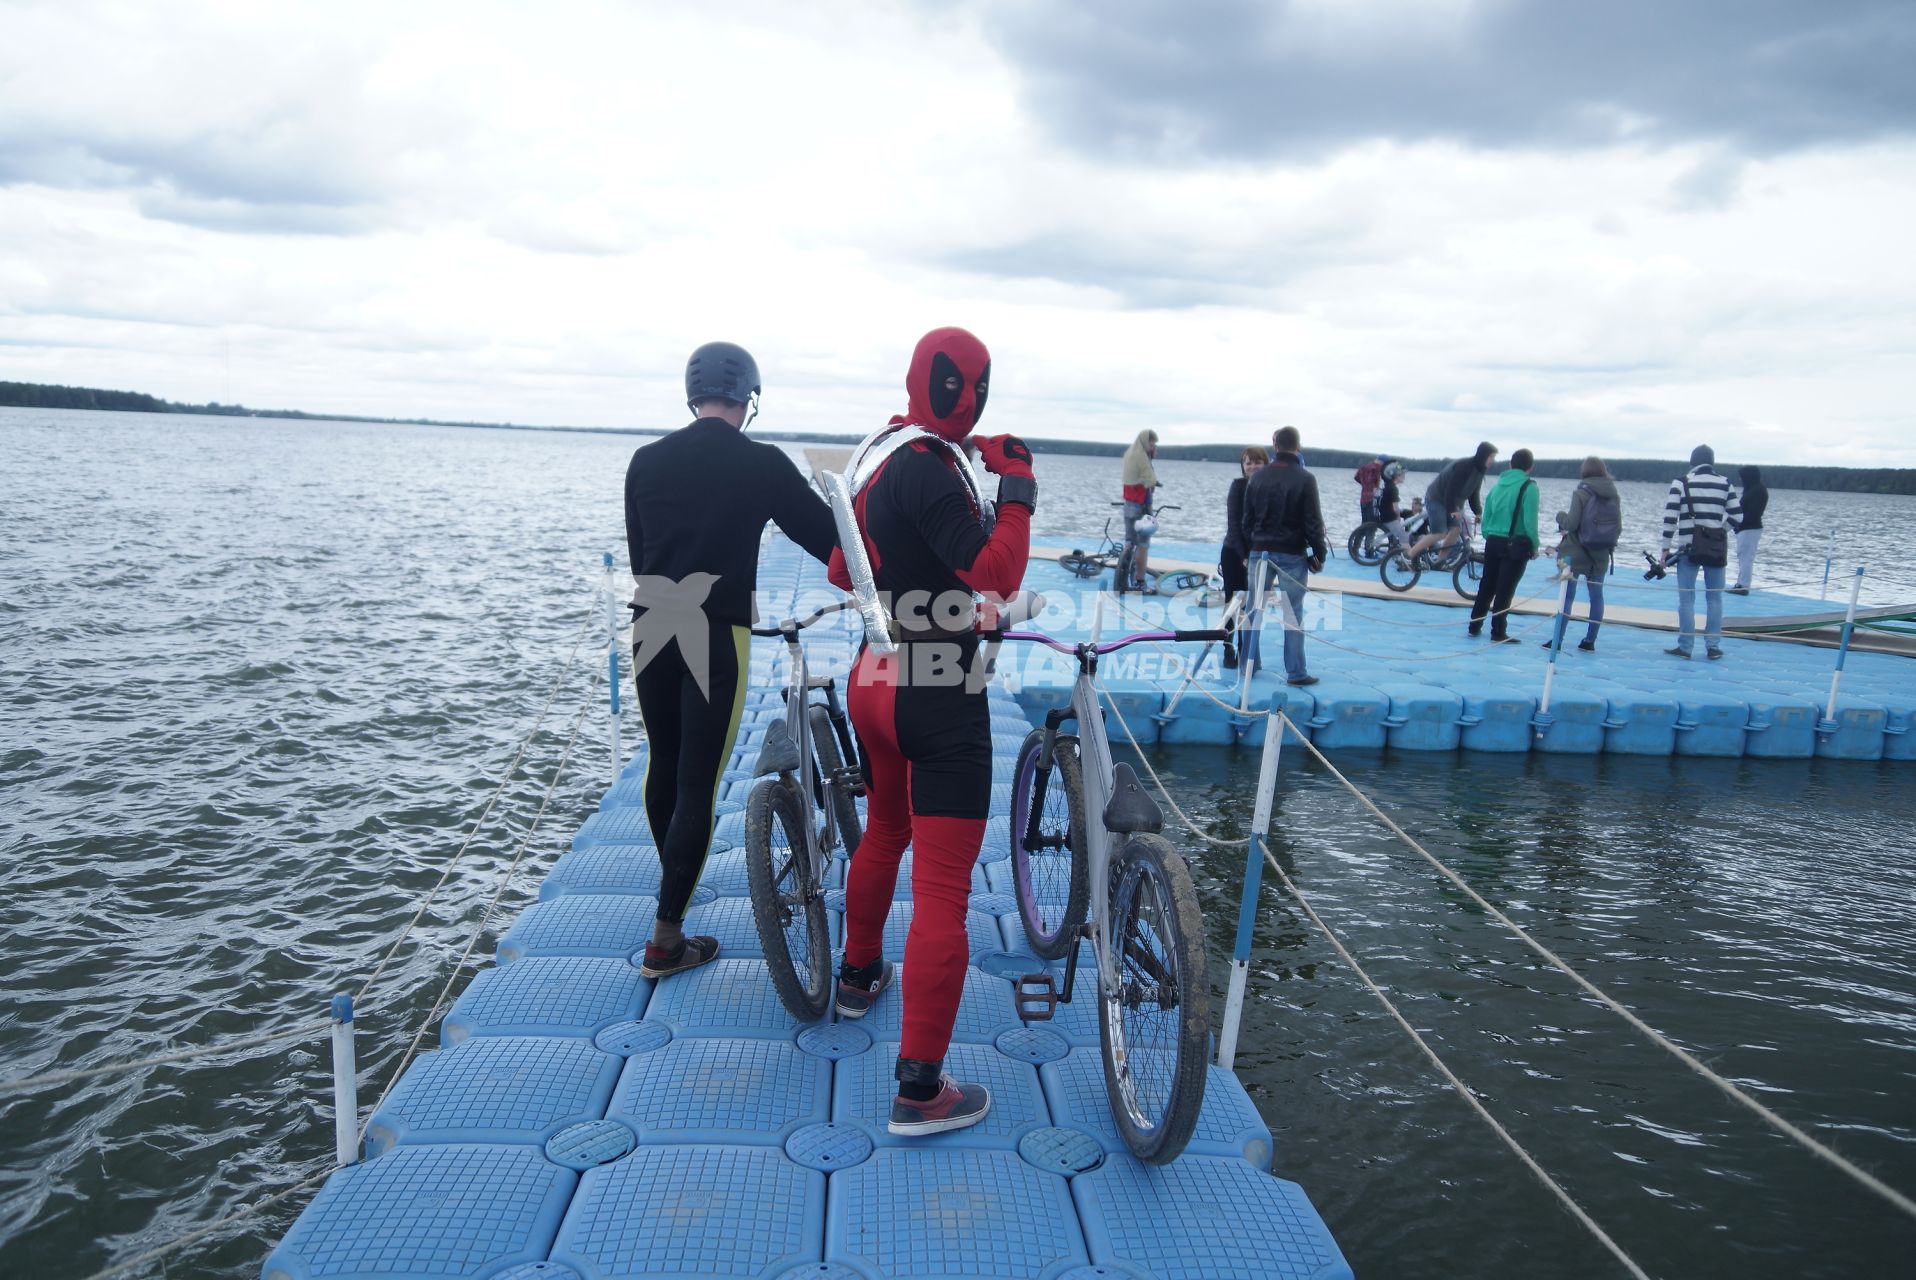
(1591, 530)
(1510, 544)
(1697, 517)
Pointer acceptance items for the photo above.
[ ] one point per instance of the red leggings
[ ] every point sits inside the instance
(927, 760)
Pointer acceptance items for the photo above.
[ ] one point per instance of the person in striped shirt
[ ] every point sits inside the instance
(1696, 530)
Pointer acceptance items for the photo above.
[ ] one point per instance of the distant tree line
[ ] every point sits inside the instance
(31, 395)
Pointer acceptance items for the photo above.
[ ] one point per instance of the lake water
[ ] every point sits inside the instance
(258, 676)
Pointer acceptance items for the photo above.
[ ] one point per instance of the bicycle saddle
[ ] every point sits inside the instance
(1130, 810)
(780, 752)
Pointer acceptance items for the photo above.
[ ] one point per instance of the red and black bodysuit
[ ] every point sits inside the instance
(922, 715)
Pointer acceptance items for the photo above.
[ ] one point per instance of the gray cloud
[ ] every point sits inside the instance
(1277, 78)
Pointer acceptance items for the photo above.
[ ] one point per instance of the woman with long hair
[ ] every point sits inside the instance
(1232, 560)
(1590, 531)
(1140, 480)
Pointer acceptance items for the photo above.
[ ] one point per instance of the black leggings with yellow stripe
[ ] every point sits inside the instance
(689, 734)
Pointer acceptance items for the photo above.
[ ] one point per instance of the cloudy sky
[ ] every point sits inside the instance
(1403, 224)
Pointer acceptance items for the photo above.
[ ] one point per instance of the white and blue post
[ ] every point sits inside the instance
(612, 666)
(345, 1084)
(1543, 719)
(1829, 558)
(1842, 650)
(1253, 885)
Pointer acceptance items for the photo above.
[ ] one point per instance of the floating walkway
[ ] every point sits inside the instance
(1401, 673)
(578, 1123)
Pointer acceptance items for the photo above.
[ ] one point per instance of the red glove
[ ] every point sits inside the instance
(1004, 455)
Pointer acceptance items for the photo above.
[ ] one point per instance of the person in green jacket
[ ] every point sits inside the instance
(1510, 544)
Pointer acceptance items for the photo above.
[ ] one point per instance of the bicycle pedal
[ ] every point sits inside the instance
(1037, 997)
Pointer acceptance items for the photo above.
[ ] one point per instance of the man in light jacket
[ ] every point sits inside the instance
(1696, 531)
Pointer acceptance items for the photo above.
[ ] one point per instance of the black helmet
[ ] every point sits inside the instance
(721, 371)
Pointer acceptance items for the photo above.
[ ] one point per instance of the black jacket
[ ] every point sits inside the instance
(1234, 543)
(696, 501)
(1280, 509)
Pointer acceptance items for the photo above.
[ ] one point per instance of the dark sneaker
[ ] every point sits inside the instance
(858, 989)
(1475, 632)
(1713, 654)
(1505, 640)
(662, 962)
(1678, 653)
(1588, 646)
(1301, 681)
(1230, 656)
(957, 1106)
(1739, 591)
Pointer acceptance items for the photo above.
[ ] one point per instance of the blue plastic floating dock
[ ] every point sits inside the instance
(1401, 674)
(582, 1123)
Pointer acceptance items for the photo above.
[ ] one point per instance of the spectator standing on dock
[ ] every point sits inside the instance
(1284, 526)
(1749, 530)
(1458, 485)
(1140, 481)
(1234, 557)
(1510, 544)
(1591, 529)
(1389, 514)
(922, 715)
(695, 567)
(1697, 517)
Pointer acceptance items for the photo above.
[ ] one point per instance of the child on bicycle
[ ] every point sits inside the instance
(922, 715)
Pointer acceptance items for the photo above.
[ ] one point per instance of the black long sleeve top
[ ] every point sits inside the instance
(696, 501)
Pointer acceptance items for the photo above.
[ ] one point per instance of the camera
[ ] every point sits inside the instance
(1657, 568)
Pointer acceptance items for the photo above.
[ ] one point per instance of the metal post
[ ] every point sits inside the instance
(1556, 647)
(1829, 558)
(345, 1084)
(612, 666)
(1190, 677)
(1253, 884)
(1842, 648)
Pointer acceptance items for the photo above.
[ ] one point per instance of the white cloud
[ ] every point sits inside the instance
(496, 212)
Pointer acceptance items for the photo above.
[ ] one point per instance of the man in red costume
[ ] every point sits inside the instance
(923, 719)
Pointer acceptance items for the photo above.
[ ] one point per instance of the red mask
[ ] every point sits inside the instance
(945, 390)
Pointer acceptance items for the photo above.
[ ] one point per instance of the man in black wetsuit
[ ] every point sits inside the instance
(695, 503)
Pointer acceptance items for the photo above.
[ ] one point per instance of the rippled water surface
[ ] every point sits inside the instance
(256, 680)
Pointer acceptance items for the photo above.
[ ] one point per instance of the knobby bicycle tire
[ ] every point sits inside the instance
(1039, 883)
(784, 899)
(844, 804)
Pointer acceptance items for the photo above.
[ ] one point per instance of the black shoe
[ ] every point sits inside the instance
(1739, 591)
(1713, 654)
(1678, 653)
(1505, 640)
(697, 949)
(1476, 632)
(858, 989)
(1230, 656)
(1588, 646)
(1301, 681)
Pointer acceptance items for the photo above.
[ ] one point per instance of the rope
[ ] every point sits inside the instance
(1463, 1091)
(478, 822)
(485, 920)
(21, 1084)
(1735, 1094)
(178, 1242)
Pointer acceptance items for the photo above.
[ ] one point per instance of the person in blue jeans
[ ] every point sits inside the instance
(1697, 516)
(1284, 527)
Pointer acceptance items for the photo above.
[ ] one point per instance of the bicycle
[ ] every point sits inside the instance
(1371, 541)
(788, 847)
(1145, 928)
(1460, 559)
(1110, 554)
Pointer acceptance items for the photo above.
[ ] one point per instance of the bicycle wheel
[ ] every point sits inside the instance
(1047, 845)
(1156, 1027)
(787, 906)
(1467, 575)
(830, 765)
(1398, 574)
(1081, 564)
(1367, 543)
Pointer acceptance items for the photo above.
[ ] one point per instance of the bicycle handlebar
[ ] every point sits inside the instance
(1109, 646)
(793, 626)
